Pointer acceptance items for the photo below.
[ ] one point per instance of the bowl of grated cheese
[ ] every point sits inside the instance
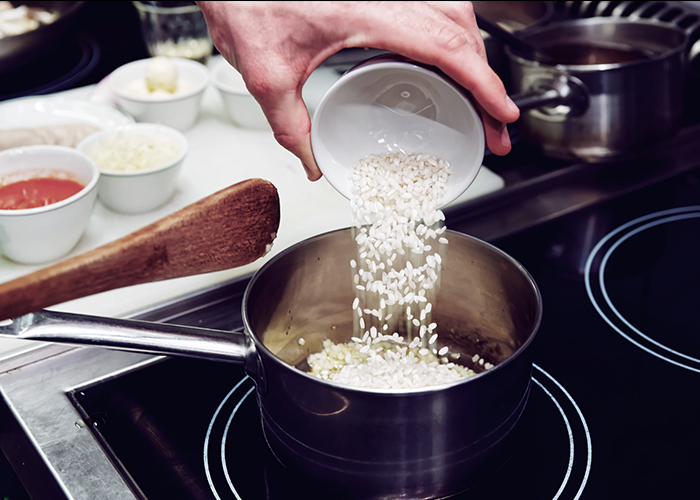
(139, 165)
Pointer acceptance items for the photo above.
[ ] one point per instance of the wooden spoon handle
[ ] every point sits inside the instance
(227, 229)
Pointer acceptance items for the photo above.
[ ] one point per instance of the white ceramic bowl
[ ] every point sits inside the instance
(42, 234)
(390, 104)
(240, 105)
(137, 191)
(179, 110)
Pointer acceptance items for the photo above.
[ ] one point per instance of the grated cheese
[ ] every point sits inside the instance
(128, 153)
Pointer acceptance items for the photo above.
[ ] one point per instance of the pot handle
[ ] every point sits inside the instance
(128, 335)
(686, 21)
(561, 95)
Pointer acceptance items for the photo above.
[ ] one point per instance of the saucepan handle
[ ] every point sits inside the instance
(688, 22)
(129, 335)
(560, 94)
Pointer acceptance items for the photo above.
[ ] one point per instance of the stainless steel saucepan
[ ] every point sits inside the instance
(616, 86)
(367, 443)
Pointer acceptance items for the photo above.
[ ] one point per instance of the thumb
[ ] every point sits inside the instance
(291, 125)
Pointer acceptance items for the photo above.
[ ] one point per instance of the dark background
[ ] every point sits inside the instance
(99, 38)
(115, 27)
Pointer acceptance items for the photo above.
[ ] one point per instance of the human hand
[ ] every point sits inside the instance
(277, 45)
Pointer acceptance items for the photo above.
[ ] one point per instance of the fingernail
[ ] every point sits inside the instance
(505, 137)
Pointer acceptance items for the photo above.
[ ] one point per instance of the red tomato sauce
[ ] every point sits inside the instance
(39, 192)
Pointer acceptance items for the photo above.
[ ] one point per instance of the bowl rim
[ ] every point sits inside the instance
(151, 127)
(216, 81)
(89, 187)
(388, 62)
(198, 89)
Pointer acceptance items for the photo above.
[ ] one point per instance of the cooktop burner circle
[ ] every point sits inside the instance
(608, 291)
(563, 457)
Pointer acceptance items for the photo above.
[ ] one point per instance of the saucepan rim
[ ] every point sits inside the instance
(591, 68)
(260, 347)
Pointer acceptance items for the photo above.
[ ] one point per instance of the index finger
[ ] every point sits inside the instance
(447, 44)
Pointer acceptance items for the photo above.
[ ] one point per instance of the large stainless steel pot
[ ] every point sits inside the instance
(367, 443)
(619, 86)
(18, 50)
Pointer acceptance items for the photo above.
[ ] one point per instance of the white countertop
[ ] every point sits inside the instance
(220, 154)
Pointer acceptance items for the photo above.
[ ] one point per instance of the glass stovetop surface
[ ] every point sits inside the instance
(613, 409)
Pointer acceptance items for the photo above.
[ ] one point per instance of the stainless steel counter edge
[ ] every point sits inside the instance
(52, 450)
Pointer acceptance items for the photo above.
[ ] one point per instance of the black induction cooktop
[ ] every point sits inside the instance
(613, 408)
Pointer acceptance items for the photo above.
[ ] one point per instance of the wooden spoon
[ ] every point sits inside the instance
(227, 229)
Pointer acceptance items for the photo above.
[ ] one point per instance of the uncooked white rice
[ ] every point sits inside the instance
(386, 365)
(398, 230)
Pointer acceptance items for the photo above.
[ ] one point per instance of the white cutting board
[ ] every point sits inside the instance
(220, 154)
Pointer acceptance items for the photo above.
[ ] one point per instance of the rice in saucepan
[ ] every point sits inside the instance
(398, 230)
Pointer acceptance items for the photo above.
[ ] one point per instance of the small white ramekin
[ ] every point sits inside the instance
(179, 111)
(42, 234)
(240, 105)
(137, 191)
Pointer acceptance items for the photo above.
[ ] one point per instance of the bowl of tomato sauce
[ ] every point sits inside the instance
(47, 194)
